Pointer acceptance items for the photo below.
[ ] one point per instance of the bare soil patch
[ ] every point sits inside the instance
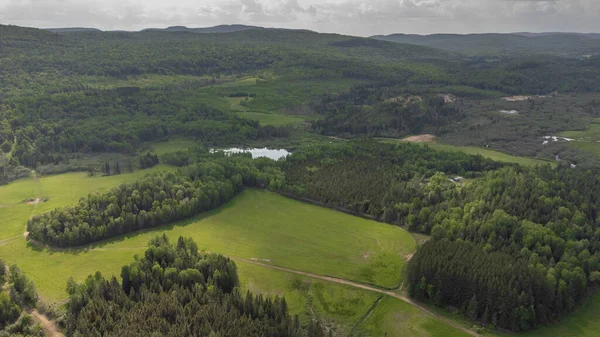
(35, 201)
(426, 138)
(50, 329)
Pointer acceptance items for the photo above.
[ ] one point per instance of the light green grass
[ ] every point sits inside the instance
(264, 118)
(256, 224)
(592, 133)
(334, 305)
(171, 146)
(395, 318)
(244, 81)
(272, 118)
(494, 155)
(586, 140)
(60, 190)
(235, 103)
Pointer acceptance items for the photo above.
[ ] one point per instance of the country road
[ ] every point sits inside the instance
(361, 286)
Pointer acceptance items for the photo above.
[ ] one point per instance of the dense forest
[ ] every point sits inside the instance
(399, 183)
(174, 290)
(545, 219)
(55, 101)
(41, 130)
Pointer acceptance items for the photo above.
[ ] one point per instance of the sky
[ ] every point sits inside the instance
(352, 17)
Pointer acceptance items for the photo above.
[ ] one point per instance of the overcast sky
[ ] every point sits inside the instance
(355, 17)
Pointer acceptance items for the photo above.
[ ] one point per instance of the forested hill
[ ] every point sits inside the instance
(90, 92)
(558, 44)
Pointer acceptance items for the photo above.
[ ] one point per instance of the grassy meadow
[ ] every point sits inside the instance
(392, 317)
(473, 150)
(256, 224)
(586, 141)
(494, 155)
(261, 225)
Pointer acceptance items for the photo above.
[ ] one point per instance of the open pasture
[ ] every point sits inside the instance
(257, 224)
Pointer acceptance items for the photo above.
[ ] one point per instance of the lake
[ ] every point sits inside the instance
(274, 154)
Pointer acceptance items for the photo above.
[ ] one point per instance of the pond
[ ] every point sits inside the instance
(274, 154)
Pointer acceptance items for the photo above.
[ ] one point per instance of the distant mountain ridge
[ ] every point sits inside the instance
(72, 30)
(206, 30)
(574, 45)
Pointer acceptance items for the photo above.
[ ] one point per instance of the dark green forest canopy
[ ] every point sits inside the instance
(174, 290)
(545, 218)
(50, 109)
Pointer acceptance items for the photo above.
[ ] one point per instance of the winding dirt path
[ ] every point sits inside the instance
(364, 287)
(50, 329)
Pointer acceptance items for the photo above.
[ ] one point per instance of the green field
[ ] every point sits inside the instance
(161, 148)
(392, 317)
(335, 305)
(271, 118)
(494, 155)
(586, 140)
(592, 133)
(256, 224)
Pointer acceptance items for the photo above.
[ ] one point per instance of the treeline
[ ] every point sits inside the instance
(152, 201)
(401, 183)
(494, 288)
(10, 171)
(173, 290)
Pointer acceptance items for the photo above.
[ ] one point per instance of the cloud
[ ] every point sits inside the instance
(358, 17)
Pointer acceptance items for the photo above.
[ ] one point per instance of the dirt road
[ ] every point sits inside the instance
(364, 287)
(50, 329)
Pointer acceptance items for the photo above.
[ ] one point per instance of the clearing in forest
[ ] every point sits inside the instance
(256, 224)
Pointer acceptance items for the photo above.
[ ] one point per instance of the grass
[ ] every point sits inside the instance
(271, 118)
(61, 190)
(255, 224)
(393, 317)
(336, 306)
(171, 146)
(586, 141)
(494, 155)
(592, 133)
